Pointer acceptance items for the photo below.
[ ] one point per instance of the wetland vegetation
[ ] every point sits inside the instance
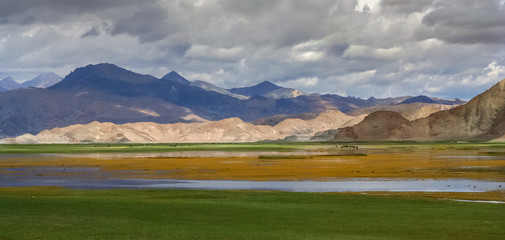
(54, 213)
(268, 161)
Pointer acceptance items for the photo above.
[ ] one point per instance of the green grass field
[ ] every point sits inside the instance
(259, 146)
(53, 213)
(141, 148)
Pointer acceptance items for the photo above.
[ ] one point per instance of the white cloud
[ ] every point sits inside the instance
(360, 77)
(206, 52)
(492, 73)
(199, 3)
(309, 56)
(301, 82)
(31, 32)
(197, 76)
(309, 51)
(376, 53)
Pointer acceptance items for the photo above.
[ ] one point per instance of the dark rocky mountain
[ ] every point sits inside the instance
(9, 83)
(31, 110)
(259, 89)
(349, 103)
(425, 99)
(211, 87)
(175, 77)
(420, 99)
(105, 92)
(113, 80)
(102, 76)
(456, 101)
(2, 89)
(386, 101)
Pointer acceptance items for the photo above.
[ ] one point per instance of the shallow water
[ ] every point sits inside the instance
(420, 170)
(92, 178)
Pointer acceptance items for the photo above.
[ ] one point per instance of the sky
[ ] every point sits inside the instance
(362, 48)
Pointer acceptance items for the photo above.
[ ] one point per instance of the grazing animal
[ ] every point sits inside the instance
(348, 146)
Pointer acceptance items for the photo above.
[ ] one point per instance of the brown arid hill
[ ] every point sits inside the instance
(304, 129)
(226, 130)
(411, 111)
(483, 118)
(276, 119)
(375, 127)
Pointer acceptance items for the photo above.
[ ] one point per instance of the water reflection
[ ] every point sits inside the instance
(47, 170)
(102, 181)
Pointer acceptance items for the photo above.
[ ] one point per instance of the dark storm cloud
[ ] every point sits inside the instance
(337, 49)
(357, 47)
(148, 23)
(467, 21)
(94, 31)
(248, 7)
(30, 11)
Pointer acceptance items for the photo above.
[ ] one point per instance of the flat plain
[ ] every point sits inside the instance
(62, 213)
(269, 161)
(54, 213)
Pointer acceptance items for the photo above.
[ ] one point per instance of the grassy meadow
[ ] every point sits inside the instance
(54, 213)
(146, 148)
(258, 146)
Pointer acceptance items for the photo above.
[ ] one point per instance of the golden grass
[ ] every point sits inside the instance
(365, 163)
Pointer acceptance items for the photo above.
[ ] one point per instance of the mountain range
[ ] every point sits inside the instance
(43, 80)
(226, 130)
(108, 93)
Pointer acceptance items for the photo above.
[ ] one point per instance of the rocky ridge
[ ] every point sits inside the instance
(226, 130)
(482, 118)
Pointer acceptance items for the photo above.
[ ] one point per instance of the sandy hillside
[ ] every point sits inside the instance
(483, 118)
(410, 111)
(226, 130)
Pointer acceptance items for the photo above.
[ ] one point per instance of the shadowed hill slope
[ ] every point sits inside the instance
(411, 111)
(482, 118)
(259, 89)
